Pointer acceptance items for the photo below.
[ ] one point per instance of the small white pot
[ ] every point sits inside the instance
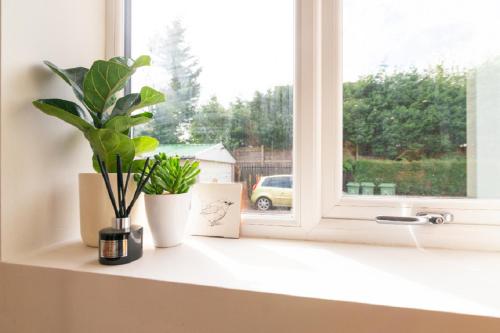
(168, 217)
(96, 211)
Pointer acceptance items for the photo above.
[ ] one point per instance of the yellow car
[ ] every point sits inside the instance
(273, 191)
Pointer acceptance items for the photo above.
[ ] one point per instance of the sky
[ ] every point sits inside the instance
(421, 33)
(244, 46)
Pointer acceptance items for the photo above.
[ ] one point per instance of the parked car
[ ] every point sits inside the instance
(273, 191)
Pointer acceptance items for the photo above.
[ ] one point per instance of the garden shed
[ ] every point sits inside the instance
(216, 162)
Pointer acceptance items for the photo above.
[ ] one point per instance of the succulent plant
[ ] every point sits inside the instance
(171, 175)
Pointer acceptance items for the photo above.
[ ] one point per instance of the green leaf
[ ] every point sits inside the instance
(141, 61)
(143, 114)
(102, 82)
(129, 103)
(144, 144)
(72, 76)
(124, 123)
(67, 111)
(125, 103)
(123, 61)
(148, 97)
(108, 143)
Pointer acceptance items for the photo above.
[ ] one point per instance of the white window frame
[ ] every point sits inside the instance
(116, 11)
(338, 205)
(351, 218)
(321, 210)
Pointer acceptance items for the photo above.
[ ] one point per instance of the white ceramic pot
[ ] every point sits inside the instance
(167, 217)
(96, 211)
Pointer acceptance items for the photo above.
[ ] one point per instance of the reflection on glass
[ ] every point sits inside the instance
(228, 82)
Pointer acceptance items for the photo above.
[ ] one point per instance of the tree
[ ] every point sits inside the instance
(210, 124)
(272, 116)
(241, 127)
(171, 53)
(422, 114)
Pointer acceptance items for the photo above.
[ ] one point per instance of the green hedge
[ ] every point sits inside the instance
(430, 177)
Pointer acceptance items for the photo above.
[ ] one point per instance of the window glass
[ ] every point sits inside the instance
(289, 182)
(226, 67)
(273, 182)
(268, 182)
(285, 182)
(421, 98)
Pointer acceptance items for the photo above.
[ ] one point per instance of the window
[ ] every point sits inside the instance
(417, 80)
(418, 100)
(227, 69)
(396, 96)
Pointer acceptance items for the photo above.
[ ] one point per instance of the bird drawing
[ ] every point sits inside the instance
(215, 211)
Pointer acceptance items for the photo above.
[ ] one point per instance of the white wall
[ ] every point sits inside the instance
(223, 172)
(41, 156)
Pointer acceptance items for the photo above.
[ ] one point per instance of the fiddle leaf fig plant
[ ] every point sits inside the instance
(170, 176)
(105, 119)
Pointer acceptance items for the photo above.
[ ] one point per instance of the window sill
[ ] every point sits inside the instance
(438, 280)
(454, 236)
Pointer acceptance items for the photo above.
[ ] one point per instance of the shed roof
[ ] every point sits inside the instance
(204, 152)
(183, 150)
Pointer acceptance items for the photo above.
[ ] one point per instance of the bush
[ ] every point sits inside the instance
(430, 177)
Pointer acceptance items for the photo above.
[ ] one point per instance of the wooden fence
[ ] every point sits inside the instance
(262, 155)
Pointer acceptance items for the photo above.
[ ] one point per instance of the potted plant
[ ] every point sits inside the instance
(105, 120)
(168, 199)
